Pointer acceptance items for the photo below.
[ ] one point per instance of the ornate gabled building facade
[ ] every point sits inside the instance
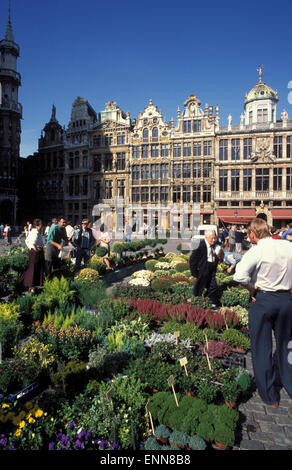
(254, 162)
(10, 126)
(229, 173)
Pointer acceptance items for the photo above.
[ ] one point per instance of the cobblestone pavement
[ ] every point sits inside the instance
(260, 426)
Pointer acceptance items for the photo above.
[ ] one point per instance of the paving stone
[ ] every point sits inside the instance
(251, 445)
(288, 430)
(261, 436)
(282, 440)
(283, 420)
(251, 406)
(276, 411)
(263, 417)
(272, 428)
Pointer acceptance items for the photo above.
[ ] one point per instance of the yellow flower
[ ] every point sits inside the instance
(31, 420)
(33, 435)
(28, 405)
(22, 424)
(5, 405)
(18, 432)
(39, 413)
(52, 419)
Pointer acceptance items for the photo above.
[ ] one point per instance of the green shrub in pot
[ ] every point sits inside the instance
(197, 443)
(224, 435)
(162, 432)
(179, 438)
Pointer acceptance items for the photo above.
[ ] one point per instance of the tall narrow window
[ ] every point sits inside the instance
(235, 149)
(187, 127)
(289, 147)
(223, 149)
(121, 161)
(186, 170)
(247, 148)
(207, 193)
(176, 193)
(145, 134)
(176, 150)
(277, 177)
(136, 151)
(197, 170)
(154, 150)
(136, 194)
(207, 147)
(145, 151)
(187, 149)
(278, 146)
(196, 193)
(235, 180)
(197, 125)
(197, 149)
(223, 180)
(164, 171)
(164, 193)
(262, 115)
(186, 193)
(176, 171)
(135, 172)
(289, 179)
(164, 150)
(207, 169)
(247, 179)
(155, 134)
(154, 172)
(144, 172)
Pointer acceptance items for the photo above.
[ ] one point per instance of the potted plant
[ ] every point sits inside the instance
(197, 443)
(151, 444)
(179, 439)
(223, 436)
(230, 392)
(162, 433)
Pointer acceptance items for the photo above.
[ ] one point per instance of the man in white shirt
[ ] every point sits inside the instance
(266, 271)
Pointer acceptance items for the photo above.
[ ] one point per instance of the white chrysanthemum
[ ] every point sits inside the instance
(139, 281)
(162, 265)
(143, 274)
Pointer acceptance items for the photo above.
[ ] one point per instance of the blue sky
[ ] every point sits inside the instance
(132, 51)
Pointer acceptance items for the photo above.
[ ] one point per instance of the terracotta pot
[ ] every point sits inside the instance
(190, 394)
(220, 446)
(154, 390)
(163, 441)
(228, 403)
(240, 349)
(172, 445)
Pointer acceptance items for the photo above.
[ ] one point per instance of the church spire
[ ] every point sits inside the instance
(9, 33)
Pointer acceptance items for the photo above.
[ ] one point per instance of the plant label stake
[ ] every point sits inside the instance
(183, 363)
(170, 381)
(224, 315)
(0, 353)
(150, 415)
(176, 334)
(206, 351)
(109, 395)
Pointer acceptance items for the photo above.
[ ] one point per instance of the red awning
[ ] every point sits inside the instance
(237, 216)
(285, 214)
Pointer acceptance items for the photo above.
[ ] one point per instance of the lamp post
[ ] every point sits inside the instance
(235, 215)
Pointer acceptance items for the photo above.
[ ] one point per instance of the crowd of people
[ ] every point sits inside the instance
(59, 239)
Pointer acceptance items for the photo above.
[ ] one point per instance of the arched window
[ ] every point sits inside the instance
(145, 134)
(155, 134)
